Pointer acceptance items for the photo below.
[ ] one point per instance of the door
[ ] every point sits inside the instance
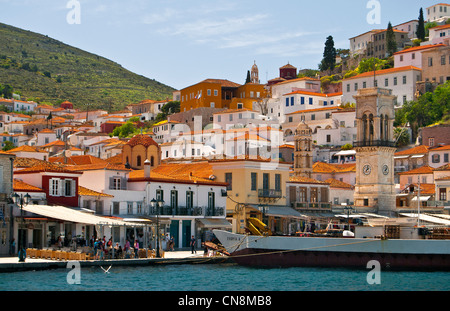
(186, 233)
(174, 231)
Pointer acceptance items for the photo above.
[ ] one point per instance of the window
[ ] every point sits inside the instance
(216, 92)
(129, 208)
(445, 157)
(139, 207)
(266, 181)
(290, 119)
(431, 141)
(348, 87)
(443, 60)
(413, 56)
(54, 187)
(395, 80)
(229, 180)
(364, 84)
(356, 86)
(189, 199)
(254, 183)
(116, 208)
(443, 194)
(401, 58)
(302, 100)
(328, 138)
(138, 161)
(313, 117)
(116, 183)
(435, 158)
(430, 62)
(174, 199)
(292, 101)
(310, 101)
(69, 188)
(211, 202)
(287, 101)
(386, 82)
(278, 182)
(404, 79)
(159, 195)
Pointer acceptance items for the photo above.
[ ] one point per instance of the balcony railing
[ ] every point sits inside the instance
(270, 193)
(315, 205)
(374, 143)
(187, 211)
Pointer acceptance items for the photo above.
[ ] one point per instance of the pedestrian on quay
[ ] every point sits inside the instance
(193, 245)
(12, 247)
(172, 243)
(136, 249)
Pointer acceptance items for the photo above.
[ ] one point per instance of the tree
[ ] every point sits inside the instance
(248, 80)
(329, 55)
(391, 43)
(401, 137)
(421, 27)
(8, 145)
(125, 130)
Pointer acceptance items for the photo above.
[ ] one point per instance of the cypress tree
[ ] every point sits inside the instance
(329, 55)
(248, 80)
(421, 27)
(391, 44)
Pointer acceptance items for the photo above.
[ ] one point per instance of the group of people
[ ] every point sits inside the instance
(103, 249)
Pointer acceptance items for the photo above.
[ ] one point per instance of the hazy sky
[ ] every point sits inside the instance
(182, 42)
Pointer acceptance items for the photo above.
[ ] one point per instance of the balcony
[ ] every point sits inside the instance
(270, 193)
(374, 143)
(187, 211)
(311, 206)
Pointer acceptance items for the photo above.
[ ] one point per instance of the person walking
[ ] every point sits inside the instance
(193, 245)
(136, 249)
(12, 247)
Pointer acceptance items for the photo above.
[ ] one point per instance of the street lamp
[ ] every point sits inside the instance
(21, 200)
(348, 209)
(158, 204)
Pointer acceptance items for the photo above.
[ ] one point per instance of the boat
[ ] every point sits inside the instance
(419, 250)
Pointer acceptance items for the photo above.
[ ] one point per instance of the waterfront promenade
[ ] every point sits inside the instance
(12, 264)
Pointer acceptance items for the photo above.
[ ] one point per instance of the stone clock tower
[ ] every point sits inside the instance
(375, 148)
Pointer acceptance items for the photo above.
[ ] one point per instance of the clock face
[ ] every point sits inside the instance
(367, 169)
(385, 169)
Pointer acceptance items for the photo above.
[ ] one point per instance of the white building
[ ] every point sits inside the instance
(240, 118)
(439, 156)
(185, 149)
(402, 82)
(412, 56)
(359, 44)
(438, 13)
(169, 131)
(438, 34)
(409, 27)
(342, 132)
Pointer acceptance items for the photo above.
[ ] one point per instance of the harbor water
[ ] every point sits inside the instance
(222, 277)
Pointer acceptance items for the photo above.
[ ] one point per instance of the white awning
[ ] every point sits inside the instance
(422, 199)
(417, 156)
(428, 218)
(215, 223)
(69, 214)
(401, 157)
(345, 153)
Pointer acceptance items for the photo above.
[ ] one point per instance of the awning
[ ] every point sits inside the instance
(422, 199)
(76, 216)
(428, 218)
(282, 211)
(417, 156)
(214, 223)
(400, 157)
(345, 153)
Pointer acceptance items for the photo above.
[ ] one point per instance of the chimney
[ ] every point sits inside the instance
(147, 168)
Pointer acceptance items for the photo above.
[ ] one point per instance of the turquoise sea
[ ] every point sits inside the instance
(223, 278)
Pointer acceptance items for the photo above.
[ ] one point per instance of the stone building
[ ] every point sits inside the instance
(6, 214)
(140, 148)
(303, 151)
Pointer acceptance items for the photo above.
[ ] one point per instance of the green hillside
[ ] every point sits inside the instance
(47, 70)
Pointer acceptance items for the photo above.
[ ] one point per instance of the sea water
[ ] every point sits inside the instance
(223, 278)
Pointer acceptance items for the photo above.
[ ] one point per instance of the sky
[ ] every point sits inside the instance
(182, 42)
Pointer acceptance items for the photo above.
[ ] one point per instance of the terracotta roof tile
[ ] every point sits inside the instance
(334, 183)
(142, 140)
(321, 167)
(416, 150)
(420, 170)
(45, 166)
(20, 186)
(306, 180)
(384, 71)
(77, 160)
(89, 192)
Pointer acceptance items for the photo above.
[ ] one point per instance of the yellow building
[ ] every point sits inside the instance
(256, 188)
(219, 93)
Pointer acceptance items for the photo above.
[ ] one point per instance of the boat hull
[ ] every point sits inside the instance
(336, 252)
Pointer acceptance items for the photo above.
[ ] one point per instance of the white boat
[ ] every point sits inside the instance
(293, 251)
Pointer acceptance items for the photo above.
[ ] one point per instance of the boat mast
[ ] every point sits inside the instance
(418, 201)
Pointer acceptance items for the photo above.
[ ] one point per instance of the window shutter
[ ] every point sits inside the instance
(123, 183)
(60, 187)
(74, 190)
(111, 183)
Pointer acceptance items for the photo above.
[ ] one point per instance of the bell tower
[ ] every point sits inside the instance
(254, 75)
(375, 148)
(303, 152)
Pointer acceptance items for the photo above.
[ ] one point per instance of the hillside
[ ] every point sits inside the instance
(47, 70)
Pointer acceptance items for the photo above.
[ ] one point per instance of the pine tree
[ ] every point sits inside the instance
(391, 44)
(248, 80)
(329, 55)
(421, 27)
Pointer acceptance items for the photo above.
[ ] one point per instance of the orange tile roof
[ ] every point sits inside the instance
(249, 136)
(89, 192)
(440, 27)
(416, 150)
(327, 168)
(295, 80)
(445, 167)
(306, 180)
(140, 139)
(334, 183)
(54, 143)
(384, 71)
(315, 94)
(97, 166)
(46, 167)
(117, 159)
(199, 173)
(25, 148)
(420, 170)
(441, 148)
(425, 189)
(222, 82)
(78, 160)
(315, 110)
(20, 186)
(419, 48)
